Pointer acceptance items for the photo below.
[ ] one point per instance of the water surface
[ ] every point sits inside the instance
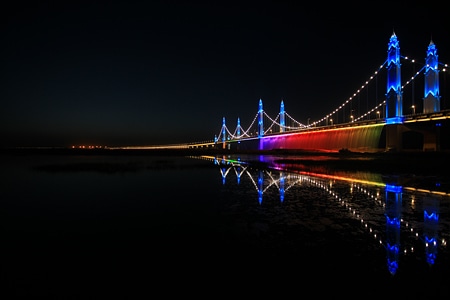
(90, 226)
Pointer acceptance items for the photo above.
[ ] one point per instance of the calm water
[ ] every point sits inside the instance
(88, 227)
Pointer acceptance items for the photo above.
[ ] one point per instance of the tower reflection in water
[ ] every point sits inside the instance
(404, 230)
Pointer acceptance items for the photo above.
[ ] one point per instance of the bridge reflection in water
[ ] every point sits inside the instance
(405, 220)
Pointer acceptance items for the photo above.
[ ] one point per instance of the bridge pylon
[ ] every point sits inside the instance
(394, 101)
(431, 98)
(260, 119)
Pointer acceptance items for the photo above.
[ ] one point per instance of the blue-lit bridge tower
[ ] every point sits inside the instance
(395, 125)
(260, 119)
(282, 117)
(394, 102)
(431, 100)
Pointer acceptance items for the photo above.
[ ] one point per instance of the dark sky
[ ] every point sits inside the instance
(121, 73)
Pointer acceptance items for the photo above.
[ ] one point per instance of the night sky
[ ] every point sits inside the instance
(125, 73)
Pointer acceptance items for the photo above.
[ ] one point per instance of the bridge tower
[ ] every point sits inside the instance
(260, 120)
(238, 130)
(394, 102)
(224, 132)
(431, 98)
(282, 117)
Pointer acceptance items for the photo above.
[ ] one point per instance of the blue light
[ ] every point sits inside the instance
(431, 258)
(431, 72)
(393, 248)
(394, 88)
(395, 120)
(392, 260)
(430, 216)
(223, 130)
(392, 266)
(238, 128)
(260, 119)
(282, 191)
(260, 186)
(430, 240)
(393, 221)
(393, 188)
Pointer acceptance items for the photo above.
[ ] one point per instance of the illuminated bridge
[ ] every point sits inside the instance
(388, 124)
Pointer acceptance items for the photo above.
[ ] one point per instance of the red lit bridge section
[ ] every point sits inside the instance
(363, 138)
(421, 132)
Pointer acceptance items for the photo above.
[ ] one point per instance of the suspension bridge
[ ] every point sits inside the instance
(354, 125)
(393, 122)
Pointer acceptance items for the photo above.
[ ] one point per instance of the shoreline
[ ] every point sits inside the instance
(343, 153)
(429, 162)
(393, 166)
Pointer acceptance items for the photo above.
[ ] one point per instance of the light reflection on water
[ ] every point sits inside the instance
(411, 223)
(86, 218)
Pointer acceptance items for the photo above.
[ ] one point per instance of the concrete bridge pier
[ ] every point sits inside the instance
(394, 133)
(431, 139)
(401, 136)
(430, 142)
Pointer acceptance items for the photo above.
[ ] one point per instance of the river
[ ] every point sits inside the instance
(96, 226)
